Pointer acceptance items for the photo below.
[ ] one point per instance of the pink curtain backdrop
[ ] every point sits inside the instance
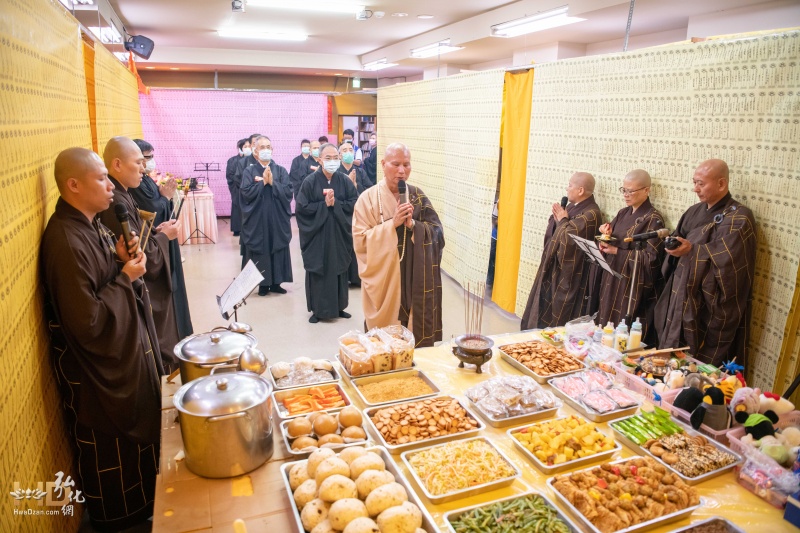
(202, 126)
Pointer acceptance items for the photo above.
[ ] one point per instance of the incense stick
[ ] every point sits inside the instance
(473, 308)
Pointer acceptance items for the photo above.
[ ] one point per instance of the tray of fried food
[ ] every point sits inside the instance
(624, 496)
(540, 360)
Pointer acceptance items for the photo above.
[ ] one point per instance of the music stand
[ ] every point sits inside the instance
(206, 167)
(595, 256)
(235, 296)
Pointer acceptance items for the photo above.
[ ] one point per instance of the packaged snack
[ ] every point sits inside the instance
(401, 345)
(598, 401)
(597, 379)
(622, 398)
(354, 355)
(377, 350)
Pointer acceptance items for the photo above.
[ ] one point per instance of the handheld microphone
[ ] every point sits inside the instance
(660, 233)
(403, 190)
(564, 202)
(124, 220)
(180, 206)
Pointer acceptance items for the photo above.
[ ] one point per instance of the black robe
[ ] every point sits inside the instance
(107, 364)
(299, 170)
(371, 165)
(560, 290)
(158, 277)
(326, 241)
(242, 164)
(707, 298)
(362, 184)
(614, 293)
(149, 199)
(233, 180)
(266, 226)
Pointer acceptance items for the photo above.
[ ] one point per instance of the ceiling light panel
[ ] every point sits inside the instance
(378, 65)
(435, 49)
(318, 6)
(269, 36)
(538, 22)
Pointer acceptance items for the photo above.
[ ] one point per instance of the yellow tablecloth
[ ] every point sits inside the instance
(185, 502)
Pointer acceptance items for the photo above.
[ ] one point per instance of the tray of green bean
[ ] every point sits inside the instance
(530, 512)
(645, 426)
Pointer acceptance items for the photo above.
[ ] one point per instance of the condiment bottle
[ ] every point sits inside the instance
(621, 337)
(608, 335)
(635, 339)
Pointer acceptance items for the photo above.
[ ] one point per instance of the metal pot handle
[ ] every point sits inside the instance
(240, 414)
(215, 367)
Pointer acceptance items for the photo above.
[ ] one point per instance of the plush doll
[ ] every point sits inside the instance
(674, 379)
(730, 385)
(712, 411)
(745, 399)
(697, 381)
(773, 402)
(688, 399)
(791, 436)
(758, 425)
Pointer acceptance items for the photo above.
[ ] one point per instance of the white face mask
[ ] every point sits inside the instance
(265, 155)
(150, 166)
(247, 152)
(331, 166)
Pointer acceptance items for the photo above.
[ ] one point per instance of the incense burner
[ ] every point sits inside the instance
(473, 349)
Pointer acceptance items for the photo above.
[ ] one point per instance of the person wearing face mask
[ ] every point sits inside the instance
(347, 137)
(324, 214)
(246, 161)
(371, 162)
(233, 185)
(158, 199)
(266, 196)
(360, 181)
(125, 162)
(399, 243)
(300, 166)
(314, 165)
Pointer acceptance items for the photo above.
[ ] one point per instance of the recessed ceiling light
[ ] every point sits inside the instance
(319, 6)
(399, 14)
(337, 74)
(271, 36)
(174, 68)
(424, 16)
(149, 68)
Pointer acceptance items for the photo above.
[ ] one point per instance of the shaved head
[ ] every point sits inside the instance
(585, 180)
(715, 169)
(124, 161)
(710, 180)
(119, 148)
(638, 177)
(74, 163)
(397, 147)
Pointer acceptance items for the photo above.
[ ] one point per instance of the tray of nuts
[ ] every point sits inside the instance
(540, 360)
(411, 425)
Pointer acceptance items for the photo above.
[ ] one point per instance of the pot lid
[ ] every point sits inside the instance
(222, 394)
(219, 346)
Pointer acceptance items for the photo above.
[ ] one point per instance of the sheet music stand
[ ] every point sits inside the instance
(595, 256)
(206, 167)
(235, 296)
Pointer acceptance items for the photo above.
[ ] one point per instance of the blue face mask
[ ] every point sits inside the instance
(306, 150)
(315, 152)
(265, 155)
(348, 158)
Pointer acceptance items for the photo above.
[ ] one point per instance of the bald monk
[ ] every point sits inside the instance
(104, 346)
(706, 300)
(125, 162)
(399, 247)
(560, 290)
(638, 217)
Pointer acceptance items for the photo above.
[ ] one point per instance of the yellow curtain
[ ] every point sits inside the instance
(117, 99)
(516, 127)
(788, 363)
(88, 67)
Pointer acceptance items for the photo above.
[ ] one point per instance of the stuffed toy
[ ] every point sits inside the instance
(791, 436)
(747, 400)
(730, 385)
(773, 402)
(697, 381)
(758, 425)
(688, 399)
(774, 448)
(674, 379)
(712, 411)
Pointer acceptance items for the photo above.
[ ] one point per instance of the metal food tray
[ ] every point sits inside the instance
(590, 414)
(427, 521)
(336, 447)
(514, 420)
(689, 431)
(466, 492)
(563, 466)
(397, 448)
(283, 413)
(732, 528)
(395, 374)
(334, 378)
(455, 515)
(348, 377)
(650, 524)
(539, 379)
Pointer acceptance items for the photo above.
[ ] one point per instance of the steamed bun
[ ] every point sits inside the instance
(337, 487)
(369, 461)
(385, 496)
(345, 511)
(370, 480)
(313, 513)
(405, 518)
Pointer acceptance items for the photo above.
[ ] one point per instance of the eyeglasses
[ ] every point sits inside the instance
(628, 192)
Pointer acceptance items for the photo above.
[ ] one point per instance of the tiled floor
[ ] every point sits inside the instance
(280, 322)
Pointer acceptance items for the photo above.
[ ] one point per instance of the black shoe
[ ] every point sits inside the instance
(277, 288)
(313, 319)
(235, 233)
(356, 285)
(343, 314)
(263, 291)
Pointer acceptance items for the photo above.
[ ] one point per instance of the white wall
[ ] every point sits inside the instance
(637, 41)
(767, 16)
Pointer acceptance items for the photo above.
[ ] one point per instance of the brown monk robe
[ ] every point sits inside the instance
(399, 249)
(615, 294)
(706, 300)
(125, 164)
(560, 290)
(104, 347)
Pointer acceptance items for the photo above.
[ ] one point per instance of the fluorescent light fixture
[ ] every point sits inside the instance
(356, 83)
(106, 34)
(122, 56)
(378, 65)
(318, 6)
(435, 49)
(268, 35)
(541, 21)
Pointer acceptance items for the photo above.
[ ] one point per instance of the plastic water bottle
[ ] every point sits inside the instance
(635, 340)
(621, 337)
(608, 335)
